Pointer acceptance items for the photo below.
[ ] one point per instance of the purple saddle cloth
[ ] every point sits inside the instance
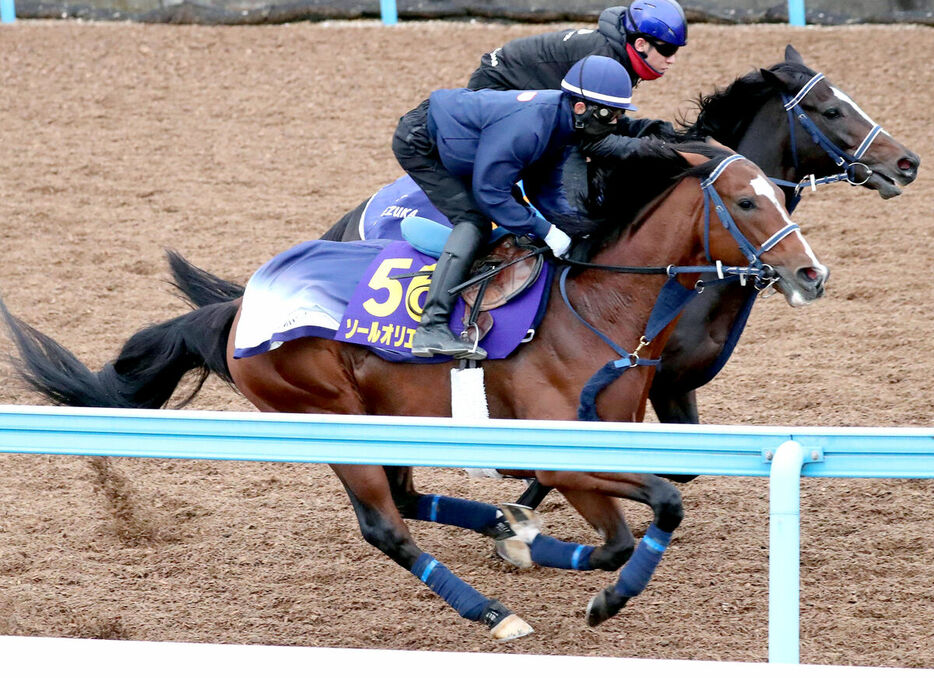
(361, 293)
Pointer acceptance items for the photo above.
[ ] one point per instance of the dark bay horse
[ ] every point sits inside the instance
(824, 136)
(543, 379)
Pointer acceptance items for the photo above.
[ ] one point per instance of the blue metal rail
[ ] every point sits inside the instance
(783, 454)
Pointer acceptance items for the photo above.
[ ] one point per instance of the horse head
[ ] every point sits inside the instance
(830, 131)
(746, 224)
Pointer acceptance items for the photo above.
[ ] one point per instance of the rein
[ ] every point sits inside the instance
(841, 158)
(674, 296)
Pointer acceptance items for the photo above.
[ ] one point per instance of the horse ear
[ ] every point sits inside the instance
(791, 54)
(778, 80)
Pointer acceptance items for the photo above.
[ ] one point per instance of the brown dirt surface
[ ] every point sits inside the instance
(232, 144)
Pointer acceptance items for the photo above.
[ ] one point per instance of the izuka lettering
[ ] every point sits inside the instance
(399, 211)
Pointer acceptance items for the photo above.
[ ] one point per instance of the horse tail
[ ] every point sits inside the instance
(199, 287)
(145, 374)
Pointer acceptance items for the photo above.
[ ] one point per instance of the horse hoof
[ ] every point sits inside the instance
(525, 523)
(604, 605)
(515, 552)
(510, 628)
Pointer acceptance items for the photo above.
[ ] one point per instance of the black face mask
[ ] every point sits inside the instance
(596, 121)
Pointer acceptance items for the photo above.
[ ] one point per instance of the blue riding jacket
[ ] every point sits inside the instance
(492, 139)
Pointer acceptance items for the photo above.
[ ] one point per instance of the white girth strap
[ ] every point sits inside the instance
(468, 403)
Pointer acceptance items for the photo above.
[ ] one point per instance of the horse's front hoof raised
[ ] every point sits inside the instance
(604, 605)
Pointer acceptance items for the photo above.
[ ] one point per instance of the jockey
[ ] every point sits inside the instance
(467, 149)
(643, 37)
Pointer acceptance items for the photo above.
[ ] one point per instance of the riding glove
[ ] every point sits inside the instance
(557, 240)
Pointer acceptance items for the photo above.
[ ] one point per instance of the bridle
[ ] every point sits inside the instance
(848, 162)
(674, 296)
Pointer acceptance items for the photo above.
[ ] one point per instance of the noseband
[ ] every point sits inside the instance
(849, 162)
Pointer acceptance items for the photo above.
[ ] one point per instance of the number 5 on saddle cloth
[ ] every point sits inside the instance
(371, 293)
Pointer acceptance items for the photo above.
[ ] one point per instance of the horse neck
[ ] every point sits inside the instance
(767, 141)
(618, 305)
(667, 232)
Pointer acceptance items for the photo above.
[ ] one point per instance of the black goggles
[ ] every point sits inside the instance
(666, 49)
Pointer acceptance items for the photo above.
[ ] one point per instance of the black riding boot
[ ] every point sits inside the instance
(433, 336)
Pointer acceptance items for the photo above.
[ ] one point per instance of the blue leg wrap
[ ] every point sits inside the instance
(638, 571)
(464, 598)
(550, 552)
(471, 515)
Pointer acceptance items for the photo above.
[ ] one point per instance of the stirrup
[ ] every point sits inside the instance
(455, 346)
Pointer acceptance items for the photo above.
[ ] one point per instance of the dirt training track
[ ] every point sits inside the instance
(232, 144)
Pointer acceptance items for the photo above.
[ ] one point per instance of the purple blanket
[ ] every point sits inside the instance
(350, 291)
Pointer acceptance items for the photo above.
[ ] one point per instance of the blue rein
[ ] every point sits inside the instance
(674, 296)
(840, 157)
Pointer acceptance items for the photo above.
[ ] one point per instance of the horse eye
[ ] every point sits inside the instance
(746, 204)
(832, 113)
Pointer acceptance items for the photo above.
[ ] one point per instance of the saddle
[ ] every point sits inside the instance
(506, 253)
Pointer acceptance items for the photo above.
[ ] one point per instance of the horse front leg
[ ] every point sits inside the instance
(382, 526)
(664, 500)
(605, 516)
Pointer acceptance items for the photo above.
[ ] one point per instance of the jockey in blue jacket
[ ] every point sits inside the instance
(467, 149)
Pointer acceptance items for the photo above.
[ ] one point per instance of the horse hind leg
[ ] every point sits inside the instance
(482, 518)
(600, 511)
(382, 526)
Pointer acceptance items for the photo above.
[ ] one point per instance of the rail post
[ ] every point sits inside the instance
(785, 549)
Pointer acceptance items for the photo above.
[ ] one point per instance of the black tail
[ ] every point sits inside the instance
(198, 286)
(144, 375)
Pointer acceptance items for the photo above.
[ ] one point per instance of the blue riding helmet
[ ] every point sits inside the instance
(660, 19)
(600, 80)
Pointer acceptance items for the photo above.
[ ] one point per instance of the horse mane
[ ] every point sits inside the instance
(725, 114)
(623, 190)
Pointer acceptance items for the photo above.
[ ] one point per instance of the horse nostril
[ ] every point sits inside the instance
(909, 165)
(811, 277)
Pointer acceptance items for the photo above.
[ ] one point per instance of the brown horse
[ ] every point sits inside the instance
(543, 379)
